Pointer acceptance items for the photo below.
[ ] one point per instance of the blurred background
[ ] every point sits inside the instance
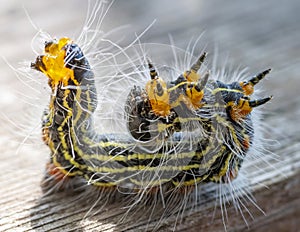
(254, 34)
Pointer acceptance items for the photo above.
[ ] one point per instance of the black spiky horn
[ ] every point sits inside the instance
(258, 77)
(203, 81)
(153, 73)
(259, 102)
(195, 67)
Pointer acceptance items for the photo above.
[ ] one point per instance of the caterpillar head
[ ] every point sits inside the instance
(60, 61)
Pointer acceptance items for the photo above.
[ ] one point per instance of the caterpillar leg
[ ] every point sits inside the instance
(54, 179)
(54, 171)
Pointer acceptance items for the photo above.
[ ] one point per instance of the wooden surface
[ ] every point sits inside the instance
(254, 34)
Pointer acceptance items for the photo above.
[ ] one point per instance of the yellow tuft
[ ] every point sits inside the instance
(159, 98)
(54, 62)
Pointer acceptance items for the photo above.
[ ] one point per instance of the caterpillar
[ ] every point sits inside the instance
(183, 130)
(158, 156)
(77, 150)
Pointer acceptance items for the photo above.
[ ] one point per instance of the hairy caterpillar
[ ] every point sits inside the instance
(173, 124)
(221, 111)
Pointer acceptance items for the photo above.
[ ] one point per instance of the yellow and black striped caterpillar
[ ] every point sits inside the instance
(183, 132)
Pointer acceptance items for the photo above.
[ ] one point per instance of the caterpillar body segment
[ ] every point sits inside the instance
(186, 131)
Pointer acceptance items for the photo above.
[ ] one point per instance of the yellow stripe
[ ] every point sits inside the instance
(62, 169)
(190, 182)
(100, 184)
(232, 130)
(79, 111)
(225, 167)
(177, 86)
(151, 183)
(216, 90)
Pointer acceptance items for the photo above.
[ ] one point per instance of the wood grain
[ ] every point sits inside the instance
(254, 34)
